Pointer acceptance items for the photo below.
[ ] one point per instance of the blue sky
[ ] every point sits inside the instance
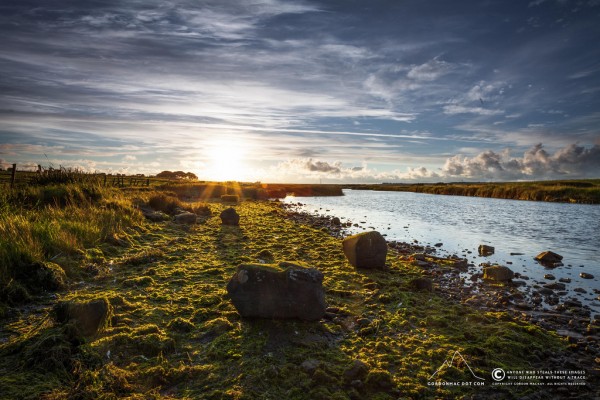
(304, 91)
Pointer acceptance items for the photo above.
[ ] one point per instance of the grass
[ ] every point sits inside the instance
(586, 191)
(57, 223)
(174, 333)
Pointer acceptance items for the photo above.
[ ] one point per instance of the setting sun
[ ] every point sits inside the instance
(226, 160)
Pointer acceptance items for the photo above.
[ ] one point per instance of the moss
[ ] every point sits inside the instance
(175, 333)
(180, 325)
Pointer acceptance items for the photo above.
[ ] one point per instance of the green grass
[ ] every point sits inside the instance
(174, 333)
(57, 223)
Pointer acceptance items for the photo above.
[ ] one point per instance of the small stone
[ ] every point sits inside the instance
(336, 221)
(565, 280)
(88, 317)
(580, 290)
(310, 365)
(230, 217)
(485, 250)
(548, 258)
(550, 277)
(185, 218)
(498, 273)
(358, 370)
(555, 286)
(422, 284)
(438, 244)
(585, 275)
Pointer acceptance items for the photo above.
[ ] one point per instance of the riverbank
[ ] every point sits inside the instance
(174, 333)
(583, 191)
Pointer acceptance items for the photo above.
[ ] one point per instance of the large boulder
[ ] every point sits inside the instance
(498, 273)
(548, 258)
(230, 217)
(89, 317)
(286, 290)
(366, 250)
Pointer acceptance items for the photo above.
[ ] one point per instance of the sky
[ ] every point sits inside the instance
(304, 91)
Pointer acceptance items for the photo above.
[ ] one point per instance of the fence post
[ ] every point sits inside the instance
(12, 175)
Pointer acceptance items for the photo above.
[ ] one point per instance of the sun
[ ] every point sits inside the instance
(226, 160)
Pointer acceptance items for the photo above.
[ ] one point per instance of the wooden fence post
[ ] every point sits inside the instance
(12, 175)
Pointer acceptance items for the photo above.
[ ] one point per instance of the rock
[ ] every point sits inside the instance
(498, 273)
(422, 284)
(230, 217)
(39, 276)
(485, 250)
(156, 216)
(548, 258)
(555, 286)
(461, 264)
(585, 275)
(580, 290)
(286, 290)
(310, 366)
(336, 221)
(366, 250)
(565, 280)
(550, 277)
(185, 218)
(358, 370)
(88, 317)
(379, 379)
(546, 291)
(438, 244)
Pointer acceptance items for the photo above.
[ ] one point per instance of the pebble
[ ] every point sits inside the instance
(585, 275)
(550, 277)
(565, 280)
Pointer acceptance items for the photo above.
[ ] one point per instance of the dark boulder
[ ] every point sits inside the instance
(286, 290)
(230, 217)
(88, 317)
(336, 221)
(366, 250)
(585, 275)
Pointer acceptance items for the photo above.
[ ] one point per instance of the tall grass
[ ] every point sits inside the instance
(41, 223)
(568, 191)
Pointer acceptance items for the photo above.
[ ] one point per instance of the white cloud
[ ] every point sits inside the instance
(536, 163)
(454, 109)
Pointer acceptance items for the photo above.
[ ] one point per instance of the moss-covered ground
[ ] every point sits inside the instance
(174, 333)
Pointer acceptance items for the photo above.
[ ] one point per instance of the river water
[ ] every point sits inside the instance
(461, 224)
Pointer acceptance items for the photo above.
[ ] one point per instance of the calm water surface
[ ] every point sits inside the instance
(463, 223)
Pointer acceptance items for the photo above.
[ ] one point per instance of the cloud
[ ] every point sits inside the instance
(536, 163)
(430, 70)
(453, 109)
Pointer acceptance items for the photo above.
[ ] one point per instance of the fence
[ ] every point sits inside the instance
(12, 177)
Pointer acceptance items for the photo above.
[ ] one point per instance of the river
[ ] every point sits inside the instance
(461, 224)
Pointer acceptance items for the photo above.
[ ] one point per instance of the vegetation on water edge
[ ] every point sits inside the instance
(172, 332)
(586, 191)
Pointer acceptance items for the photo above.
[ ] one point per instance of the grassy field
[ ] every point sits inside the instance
(172, 332)
(585, 191)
